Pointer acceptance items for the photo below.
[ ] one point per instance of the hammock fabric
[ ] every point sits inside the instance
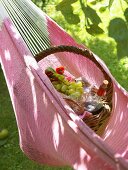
(49, 132)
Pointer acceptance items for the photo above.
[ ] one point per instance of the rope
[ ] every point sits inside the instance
(24, 17)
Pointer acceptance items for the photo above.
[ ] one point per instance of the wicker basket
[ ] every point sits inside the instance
(98, 121)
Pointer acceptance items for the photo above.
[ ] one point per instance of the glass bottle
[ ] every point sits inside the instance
(94, 103)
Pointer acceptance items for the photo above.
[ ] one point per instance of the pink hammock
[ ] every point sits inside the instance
(49, 132)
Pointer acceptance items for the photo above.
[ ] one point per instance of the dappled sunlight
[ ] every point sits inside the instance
(126, 136)
(76, 119)
(73, 125)
(115, 98)
(117, 155)
(61, 124)
(67, 11)
(116, 131)
(52, 101)
(125, 152)
(7, 55)
(83, 155)
(55, 132)
(108, 133)
(83, 158)
(30, 61)
(31, 132)
(121, 116)
(67, 107)
(48, 126)
(117, 117)
(45, 99)
(16, 33)
(33, 94)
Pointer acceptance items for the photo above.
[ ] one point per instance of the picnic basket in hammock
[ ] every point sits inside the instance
(95, 121)
(49, 131)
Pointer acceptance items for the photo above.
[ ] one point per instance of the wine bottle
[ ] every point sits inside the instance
(94, 103)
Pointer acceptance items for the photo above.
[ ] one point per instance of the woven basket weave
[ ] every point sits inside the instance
(98, 121)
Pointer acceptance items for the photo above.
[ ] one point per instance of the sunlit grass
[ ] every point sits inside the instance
(102, 45)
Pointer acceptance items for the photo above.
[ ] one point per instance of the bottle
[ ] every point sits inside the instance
(94, 103)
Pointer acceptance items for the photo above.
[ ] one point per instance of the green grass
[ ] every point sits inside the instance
(11, 157)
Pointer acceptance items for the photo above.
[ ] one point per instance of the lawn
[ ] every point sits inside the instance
(107, 46)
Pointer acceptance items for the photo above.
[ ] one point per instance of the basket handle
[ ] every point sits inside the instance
(64, 48)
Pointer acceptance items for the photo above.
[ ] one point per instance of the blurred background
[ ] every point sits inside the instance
(101, 25)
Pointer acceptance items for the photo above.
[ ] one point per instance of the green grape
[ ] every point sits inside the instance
(55, 75)
(60, 77)
(55, 83)
(71, 86)
(58, 87)
(71, 91)
(64, 88)
(80, 89)
(79, 84)
(67, 92)
(66, 82)
(75, 95)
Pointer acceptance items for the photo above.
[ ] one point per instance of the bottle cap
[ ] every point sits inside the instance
(105, 84)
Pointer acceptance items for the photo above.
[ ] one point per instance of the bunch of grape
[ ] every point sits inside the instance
(70, 88)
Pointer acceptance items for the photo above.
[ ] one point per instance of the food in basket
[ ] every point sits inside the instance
(94, 101)
(69, 87)
(79, 94)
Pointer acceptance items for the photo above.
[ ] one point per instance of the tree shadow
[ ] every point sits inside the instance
(126, 14)
(118, 30)
(92, 20)
(67, 11)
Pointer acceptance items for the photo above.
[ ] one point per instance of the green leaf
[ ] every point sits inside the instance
(64, 4)
(94, 30)
(67, 11)
(93, 2)
(110, 3)
(103, 8)
(118, 29)
(92, 15)
(126, 14)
